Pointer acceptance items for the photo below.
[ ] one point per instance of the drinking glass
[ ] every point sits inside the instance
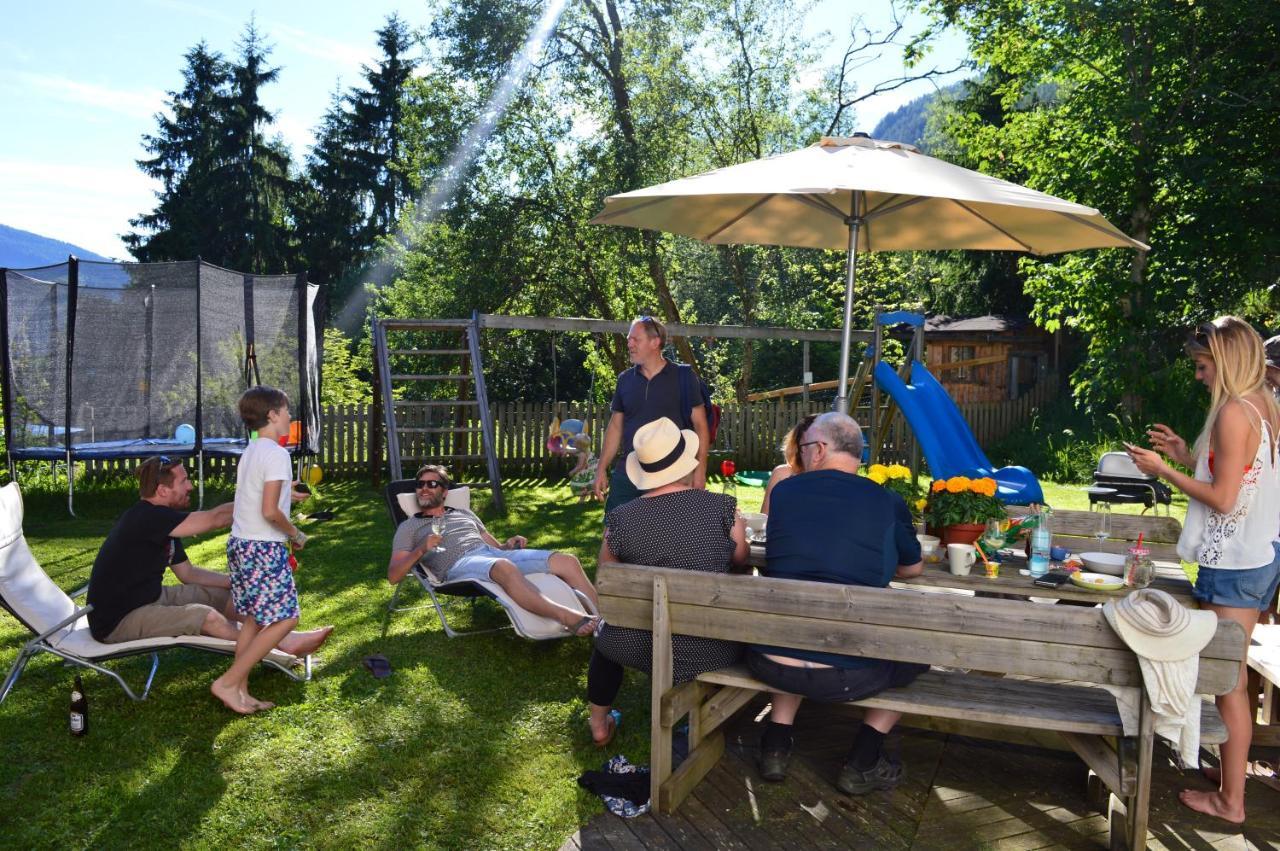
(993, 535)
(1103, 529)
(437, 528)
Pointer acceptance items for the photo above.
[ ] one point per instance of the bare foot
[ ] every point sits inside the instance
(305, 643)
(602, 729)
(1211, 804)
(233, 698)
(257, 705)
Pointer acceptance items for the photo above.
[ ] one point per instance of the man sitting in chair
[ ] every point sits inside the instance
(468, 551)
(125, 588)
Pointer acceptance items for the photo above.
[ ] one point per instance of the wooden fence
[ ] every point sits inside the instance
(750, 434)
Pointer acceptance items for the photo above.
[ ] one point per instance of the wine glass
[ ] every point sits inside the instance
(993, 536)
(1103, 529)
(437, 528)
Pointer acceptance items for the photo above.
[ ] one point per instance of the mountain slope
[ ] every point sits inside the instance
(20, 249)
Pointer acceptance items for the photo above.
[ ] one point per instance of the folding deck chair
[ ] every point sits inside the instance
(401, 502)
(62, 629)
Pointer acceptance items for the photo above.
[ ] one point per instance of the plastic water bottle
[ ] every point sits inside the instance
(79, 717)
(1041, 545)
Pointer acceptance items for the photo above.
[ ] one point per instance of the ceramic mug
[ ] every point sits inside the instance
(961, 557)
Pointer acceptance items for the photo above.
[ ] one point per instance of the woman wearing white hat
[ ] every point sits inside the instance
(675, 525)
(1232, 512)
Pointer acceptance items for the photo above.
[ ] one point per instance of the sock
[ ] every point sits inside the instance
(866, 748)
(777, 737)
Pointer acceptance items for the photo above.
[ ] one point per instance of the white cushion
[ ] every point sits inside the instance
(80, 643)
(459, 497)
(26, 588)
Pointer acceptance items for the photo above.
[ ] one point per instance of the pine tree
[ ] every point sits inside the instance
(183, 159)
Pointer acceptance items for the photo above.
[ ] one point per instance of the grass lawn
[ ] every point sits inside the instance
(471, 743)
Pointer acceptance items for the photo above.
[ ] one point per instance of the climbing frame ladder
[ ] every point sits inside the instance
(423, 385)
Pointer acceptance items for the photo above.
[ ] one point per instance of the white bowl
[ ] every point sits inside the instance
(1109, 563)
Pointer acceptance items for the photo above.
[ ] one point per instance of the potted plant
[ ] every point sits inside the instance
(958, 508)
(897, 478)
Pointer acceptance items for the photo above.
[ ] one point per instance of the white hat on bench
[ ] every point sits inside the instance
(1158, 627)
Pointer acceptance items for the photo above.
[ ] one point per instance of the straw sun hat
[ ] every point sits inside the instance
(1158, 627)
(663, 454)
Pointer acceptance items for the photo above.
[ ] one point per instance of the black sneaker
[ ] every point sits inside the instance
(773, 764)
(884, 775)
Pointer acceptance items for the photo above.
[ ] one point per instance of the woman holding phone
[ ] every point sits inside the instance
(1233, 517)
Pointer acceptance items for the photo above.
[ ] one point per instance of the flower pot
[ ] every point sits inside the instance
(962, 533)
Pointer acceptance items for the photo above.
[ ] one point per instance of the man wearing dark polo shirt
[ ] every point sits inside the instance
(648, 391)
(829, 524)
(126, 588)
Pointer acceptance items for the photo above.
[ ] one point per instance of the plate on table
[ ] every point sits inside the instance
(1111, 563)
(1097, 581)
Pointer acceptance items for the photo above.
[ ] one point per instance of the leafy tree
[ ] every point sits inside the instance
(347, 373)
(1160, 114)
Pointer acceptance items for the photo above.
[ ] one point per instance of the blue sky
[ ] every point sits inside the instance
(80, 82)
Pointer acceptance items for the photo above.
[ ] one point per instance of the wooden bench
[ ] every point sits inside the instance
(1072, 646)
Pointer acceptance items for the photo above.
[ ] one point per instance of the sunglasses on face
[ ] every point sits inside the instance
(429, 484)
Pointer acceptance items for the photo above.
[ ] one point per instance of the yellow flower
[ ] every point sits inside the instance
(938, 486)
(987, 487)
(878, 469)
(877, 476)
(920, 504)
(898, 471)
(957, 484)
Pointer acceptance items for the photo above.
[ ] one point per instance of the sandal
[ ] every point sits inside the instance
(612, 720)
(583, 622)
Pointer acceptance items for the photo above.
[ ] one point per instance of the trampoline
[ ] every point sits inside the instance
(110, 360)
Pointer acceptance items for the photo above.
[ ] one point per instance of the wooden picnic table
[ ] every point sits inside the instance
(1011, 583)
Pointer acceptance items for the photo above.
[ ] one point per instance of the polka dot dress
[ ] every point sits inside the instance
(686, 530)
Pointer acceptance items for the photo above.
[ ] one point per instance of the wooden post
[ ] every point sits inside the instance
(661, 672)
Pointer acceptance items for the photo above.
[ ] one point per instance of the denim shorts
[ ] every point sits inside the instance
(1254, 588)
(477, 563)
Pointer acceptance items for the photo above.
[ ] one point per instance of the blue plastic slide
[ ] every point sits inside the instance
(945, 437)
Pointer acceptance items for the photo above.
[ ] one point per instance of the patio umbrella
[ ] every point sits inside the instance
(861, 194)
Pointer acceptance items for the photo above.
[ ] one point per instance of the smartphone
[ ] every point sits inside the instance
(302, 487)
(1052, 579)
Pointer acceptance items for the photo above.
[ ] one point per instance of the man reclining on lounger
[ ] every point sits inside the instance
(470, 552)
(125, 588)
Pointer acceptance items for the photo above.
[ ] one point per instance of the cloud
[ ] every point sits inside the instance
(141, 103)
(87, 205)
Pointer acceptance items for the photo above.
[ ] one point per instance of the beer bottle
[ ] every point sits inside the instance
(79, 709)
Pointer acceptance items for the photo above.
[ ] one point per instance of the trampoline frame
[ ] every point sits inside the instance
(310, 329)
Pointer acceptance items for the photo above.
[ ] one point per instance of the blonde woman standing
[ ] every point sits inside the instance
(1232, 517)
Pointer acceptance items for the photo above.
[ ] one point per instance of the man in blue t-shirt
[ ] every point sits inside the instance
(648, 391)
(831, 525)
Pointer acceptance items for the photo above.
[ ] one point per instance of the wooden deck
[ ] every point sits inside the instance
(959, 793)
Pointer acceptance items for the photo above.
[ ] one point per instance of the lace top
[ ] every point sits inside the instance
(1239, 539)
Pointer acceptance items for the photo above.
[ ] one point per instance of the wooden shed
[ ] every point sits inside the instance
(987, 358)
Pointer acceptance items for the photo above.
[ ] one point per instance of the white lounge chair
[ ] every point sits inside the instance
(402, 502)
(62, 629)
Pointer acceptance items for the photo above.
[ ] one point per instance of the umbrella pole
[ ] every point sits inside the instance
(842, 394)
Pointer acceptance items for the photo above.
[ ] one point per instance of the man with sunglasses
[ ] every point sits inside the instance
(126, 588)
(648, 391)
(466, 550)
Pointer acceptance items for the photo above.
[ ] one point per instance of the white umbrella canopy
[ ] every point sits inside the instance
(862, 194)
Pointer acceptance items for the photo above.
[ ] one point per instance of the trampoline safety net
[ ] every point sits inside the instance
(119, 360)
